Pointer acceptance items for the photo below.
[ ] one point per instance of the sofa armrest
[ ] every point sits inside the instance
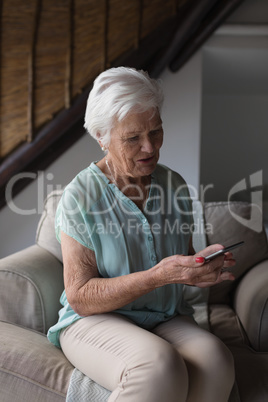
(31, 282)
(31, 368)
(251, 305)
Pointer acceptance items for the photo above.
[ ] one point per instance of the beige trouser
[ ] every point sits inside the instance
(177, 361)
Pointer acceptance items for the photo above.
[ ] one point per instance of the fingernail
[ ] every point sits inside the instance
(199, 260)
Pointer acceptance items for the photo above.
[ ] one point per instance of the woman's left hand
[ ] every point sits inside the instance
(193, 270)
(224, 273)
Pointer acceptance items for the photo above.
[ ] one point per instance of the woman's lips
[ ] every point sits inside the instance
(146, 160)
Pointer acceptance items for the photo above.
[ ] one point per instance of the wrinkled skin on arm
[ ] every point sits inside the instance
(88, 293)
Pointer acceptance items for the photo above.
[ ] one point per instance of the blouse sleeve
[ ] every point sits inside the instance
(72, 218)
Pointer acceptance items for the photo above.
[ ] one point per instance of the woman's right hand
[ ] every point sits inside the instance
(193, 270)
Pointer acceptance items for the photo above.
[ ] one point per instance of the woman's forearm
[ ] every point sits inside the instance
(88, 293)
(101, 295)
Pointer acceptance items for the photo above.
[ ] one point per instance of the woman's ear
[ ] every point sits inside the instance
(100, 141)
(103, 148)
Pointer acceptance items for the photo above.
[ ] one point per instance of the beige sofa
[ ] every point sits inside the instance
(31, 281)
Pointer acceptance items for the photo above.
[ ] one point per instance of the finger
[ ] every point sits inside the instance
(229, 260)
(224, 276)
(192, 272)
(210, 271)
(207, 251)
(207, 273)
(199, 259)
(197, 270)
(207, 280)
(229, 263)
(190, 261)
(228, 256)
(210, 265)
(216, 264)
(211, 249)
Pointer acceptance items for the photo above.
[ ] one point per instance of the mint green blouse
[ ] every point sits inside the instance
(125, 239)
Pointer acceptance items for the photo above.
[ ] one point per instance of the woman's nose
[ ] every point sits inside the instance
(147, 146)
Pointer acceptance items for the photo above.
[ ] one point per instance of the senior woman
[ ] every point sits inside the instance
(125, 226)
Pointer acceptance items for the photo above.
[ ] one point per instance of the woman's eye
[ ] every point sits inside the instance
(156, 132)
(133, 139)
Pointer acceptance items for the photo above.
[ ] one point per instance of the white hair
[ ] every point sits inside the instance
(115, 93)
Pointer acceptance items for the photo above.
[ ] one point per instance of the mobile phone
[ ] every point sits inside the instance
(224, 250)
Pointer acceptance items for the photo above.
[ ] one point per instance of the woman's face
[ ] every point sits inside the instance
(135, 144)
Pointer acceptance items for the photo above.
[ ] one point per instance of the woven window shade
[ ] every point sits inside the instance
(52, 48)
(89, 30)
(153, 14)
(123, 27)
(180, 3)
(17, 23)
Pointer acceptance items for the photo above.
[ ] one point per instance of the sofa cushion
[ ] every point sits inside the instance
(251, 368)
(45, 235)
(31, 282)
(231, 222)
(251, 305)
(31, 368)
(225, 324)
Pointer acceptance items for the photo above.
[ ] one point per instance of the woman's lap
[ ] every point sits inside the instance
(125, 358)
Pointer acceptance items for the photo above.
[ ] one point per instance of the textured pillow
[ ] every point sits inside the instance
(31, 282)
(231, 222)
(45, 235)
(31, 368)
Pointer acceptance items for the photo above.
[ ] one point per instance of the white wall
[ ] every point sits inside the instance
(18, 221)
(181, 117)
(234, 113)
(234, 142)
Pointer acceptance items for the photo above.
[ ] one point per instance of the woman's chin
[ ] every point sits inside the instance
(146, 170)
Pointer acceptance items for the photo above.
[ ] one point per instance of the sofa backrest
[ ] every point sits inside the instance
(230, 222)
(45, 234)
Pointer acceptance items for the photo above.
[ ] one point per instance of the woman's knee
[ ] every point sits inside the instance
(221, 356)
(216, 357)
(167, 374)
(224, 361)
(167, 360)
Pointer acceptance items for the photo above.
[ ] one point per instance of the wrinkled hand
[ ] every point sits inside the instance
(223, 262)
(193, 270)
